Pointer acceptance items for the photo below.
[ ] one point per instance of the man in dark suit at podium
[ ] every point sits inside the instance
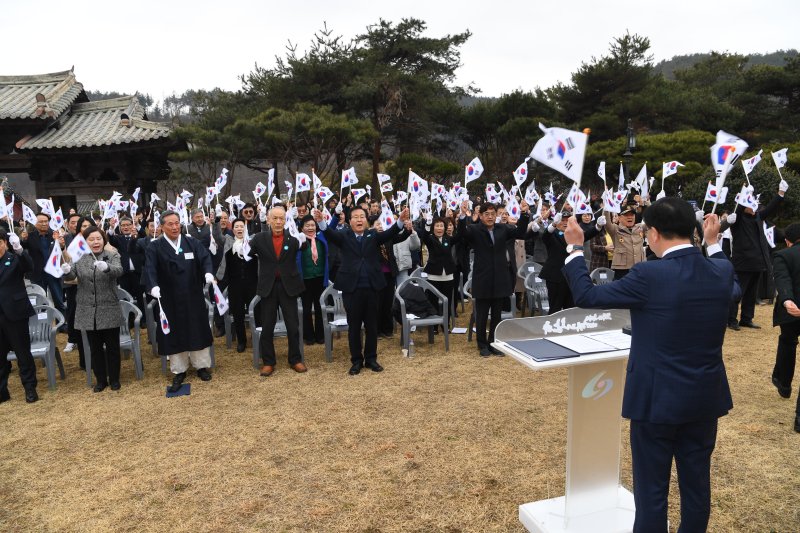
(676, 387)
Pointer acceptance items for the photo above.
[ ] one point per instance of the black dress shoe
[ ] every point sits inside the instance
(485, 352)
(4, 395)
(734, 326)
(374, 366)
(797, 423)
(100, 387)
(115, 385)
(31, 396)
(495, 351)
(355, 369)
(177, 381)
(308, 342)
(240, 347)
(204, 374)
(785, 392)
(748, 325)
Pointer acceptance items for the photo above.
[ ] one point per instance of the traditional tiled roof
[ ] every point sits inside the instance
(110, 122)
(40, 96)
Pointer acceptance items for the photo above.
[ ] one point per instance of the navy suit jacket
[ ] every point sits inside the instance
(679, 313)
(354, 255)
(14, 301)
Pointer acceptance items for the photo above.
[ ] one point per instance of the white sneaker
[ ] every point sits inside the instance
(69, 347)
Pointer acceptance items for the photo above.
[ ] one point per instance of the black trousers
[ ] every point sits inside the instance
(385, 301)
(361, 307)
(559, 296)
(653, 446)
(278, 297)
(312, 329)
(446, 288)
(104, 345)
(483, 306)
(14, 337)
(240, 293)
(620, 273)
(787, 356)
(748, 281)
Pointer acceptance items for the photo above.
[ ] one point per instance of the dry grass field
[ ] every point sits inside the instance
(442, 442)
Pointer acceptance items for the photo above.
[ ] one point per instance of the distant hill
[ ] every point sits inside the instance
(669, 66)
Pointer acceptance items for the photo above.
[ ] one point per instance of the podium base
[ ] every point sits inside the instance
(547, 516)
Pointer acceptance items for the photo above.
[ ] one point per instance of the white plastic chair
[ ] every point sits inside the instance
(279, 331)
(42, 327)
(441, 320)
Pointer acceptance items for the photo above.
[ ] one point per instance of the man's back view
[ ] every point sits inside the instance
(676, 386)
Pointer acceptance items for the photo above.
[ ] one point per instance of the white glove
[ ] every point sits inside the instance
(699, 215)
(65, 268)
(102, 266)
(750, 188)
(301, 237)
(428, 219)
(783, 187)
(209, 277)
(551, 228)
(534, 227)
(601, 221)
(13, 240)
(557, 219)
(338, 208)
(731, 218)
(155, 292)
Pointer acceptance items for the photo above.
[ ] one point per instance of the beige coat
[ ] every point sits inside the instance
(628, 245)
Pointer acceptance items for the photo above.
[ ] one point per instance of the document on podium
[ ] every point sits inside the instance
(582, 344)
(617, 339)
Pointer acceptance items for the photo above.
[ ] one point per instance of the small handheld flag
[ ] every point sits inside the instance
(53, 266)
(163, 318)
(750, 164)
(77, 248)
(220, 300)
(780, 157)
(562, 150)
(521, 173)
(473, 171)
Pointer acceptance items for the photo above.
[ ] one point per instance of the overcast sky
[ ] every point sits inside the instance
(166, 46)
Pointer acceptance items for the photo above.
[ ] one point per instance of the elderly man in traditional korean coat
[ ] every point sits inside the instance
(177, 268)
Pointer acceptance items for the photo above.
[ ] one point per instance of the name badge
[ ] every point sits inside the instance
(188, 255)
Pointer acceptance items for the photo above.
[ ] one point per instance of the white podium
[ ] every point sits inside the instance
(594, 500)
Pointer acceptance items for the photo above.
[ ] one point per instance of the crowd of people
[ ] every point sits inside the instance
(290, 253)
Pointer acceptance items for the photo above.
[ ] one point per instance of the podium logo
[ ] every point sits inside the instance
(597, 387)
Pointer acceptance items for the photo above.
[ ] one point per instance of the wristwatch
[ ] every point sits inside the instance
(574, 248)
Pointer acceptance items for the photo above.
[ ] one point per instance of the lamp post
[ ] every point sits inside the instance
(630, 144)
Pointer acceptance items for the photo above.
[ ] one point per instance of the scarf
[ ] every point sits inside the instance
(314, 253)
(237, 247)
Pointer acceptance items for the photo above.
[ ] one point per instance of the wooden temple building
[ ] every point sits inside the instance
(73, 150)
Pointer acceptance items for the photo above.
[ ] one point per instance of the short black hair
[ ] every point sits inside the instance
(485, 206)
(357, 208)
(792, 232)
(43, 214)
(3, 235)
(672, 217)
